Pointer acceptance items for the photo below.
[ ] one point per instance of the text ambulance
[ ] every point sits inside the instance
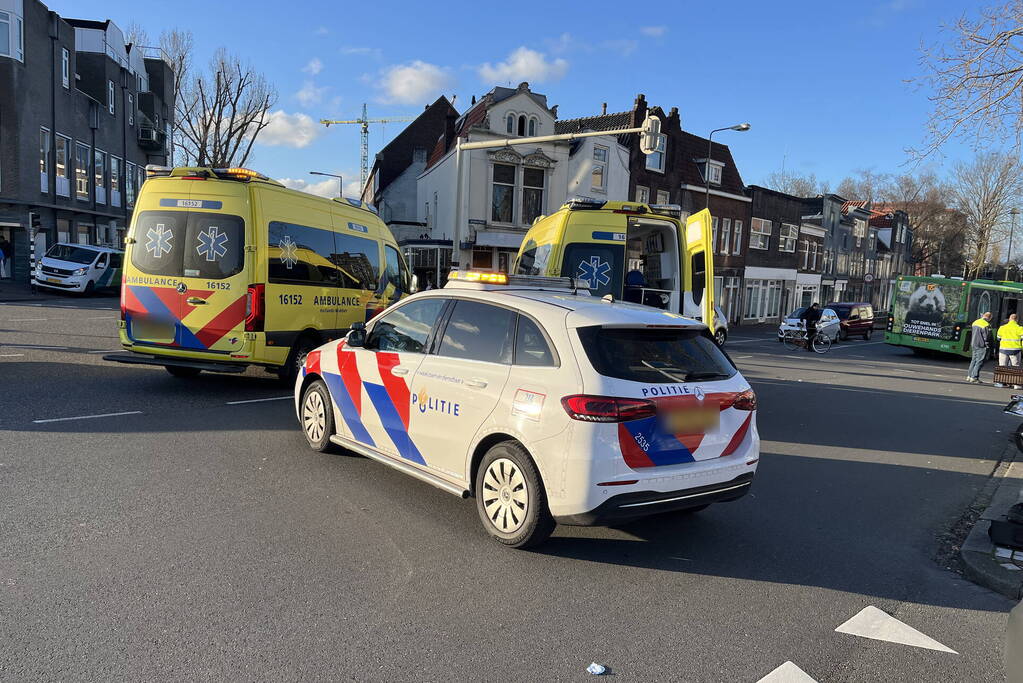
(225, 268)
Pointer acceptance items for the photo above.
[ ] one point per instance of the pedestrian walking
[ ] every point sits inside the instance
(810, 316)
(5, 255)
(1010, 346)
(980, 342)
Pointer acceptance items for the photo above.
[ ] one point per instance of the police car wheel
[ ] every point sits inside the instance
(317, 416)
(181, 371)
(510, 497)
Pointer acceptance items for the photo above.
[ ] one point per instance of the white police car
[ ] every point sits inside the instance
(542, 402)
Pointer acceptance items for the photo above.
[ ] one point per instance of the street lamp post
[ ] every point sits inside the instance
(741, 127)
(1012, 228)
(340, 181)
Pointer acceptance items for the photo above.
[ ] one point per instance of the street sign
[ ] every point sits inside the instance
(868, 278)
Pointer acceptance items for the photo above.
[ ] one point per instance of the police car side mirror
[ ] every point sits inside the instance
(357, 337)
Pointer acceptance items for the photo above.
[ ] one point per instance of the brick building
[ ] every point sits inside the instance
(91, 112)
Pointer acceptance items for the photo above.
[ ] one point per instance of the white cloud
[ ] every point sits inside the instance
(355, 50)
(289, 130)
(310, 94)
(314, 67)
(524, 65)
(413, 83)
(561, 44)
(653, 31)
(323, 188)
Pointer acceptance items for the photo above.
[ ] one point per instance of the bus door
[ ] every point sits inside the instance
(698, 295)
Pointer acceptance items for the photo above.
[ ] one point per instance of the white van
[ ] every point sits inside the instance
(79, 268)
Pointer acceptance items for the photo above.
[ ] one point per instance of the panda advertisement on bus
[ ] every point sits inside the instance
(927, 309)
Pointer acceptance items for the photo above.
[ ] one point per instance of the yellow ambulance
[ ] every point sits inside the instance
(226, 268)
(633, 252)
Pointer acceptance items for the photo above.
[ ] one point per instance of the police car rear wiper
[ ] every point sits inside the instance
(697, 376)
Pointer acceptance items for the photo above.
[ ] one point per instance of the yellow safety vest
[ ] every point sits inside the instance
(1010, 336)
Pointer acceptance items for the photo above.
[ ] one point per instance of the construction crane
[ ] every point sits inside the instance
(364, 121)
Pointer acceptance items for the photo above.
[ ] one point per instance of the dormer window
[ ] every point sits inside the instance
(511, 124)
(712, 169)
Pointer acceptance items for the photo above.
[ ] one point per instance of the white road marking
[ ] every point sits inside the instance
(846, 346)
(87, 417)
(877, 625)
(10, 355)
(35, 346)
(747, 341)
(787, 673)
(740, 357)
(25, 320)
(258, 400)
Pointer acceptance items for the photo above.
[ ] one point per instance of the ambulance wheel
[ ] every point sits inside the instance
(510, 497)
(90, 288)
(296, 359)
(317, 417)
(181, 371)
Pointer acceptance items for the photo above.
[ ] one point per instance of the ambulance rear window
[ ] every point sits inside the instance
(655, 356)
(188, 244)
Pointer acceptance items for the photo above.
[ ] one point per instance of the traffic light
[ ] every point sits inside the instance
(35, 221)
(650, 134)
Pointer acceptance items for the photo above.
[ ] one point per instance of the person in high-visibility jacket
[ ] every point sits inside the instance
(980, 340)
(1010, 345)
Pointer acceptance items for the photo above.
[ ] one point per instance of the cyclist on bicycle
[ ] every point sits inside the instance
(810, 317)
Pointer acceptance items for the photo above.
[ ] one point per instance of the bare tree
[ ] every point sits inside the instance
(866, 185)
(222, 111)
(976, 80)
(135, 34)
(939, 230)
(177, 47)
(985, 190)
(796, 184)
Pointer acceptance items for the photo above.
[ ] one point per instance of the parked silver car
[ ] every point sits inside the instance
(720, 326)
(829, 324)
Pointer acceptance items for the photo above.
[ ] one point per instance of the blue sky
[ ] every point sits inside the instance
(823, 84)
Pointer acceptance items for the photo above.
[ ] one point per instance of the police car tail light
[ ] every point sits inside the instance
(747, 400)
(607, 409)
(255, 308)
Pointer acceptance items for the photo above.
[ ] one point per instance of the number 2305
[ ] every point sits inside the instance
(291, 299)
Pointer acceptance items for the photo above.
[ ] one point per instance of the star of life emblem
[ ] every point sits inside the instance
(289, 252)
(595, 271)
(212, 243)
(158, 240)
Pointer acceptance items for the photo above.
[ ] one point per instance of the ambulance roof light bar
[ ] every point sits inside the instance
(576, 203)
(673, 210)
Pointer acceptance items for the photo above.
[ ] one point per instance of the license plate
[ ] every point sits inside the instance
(52, 279)
(693, 421)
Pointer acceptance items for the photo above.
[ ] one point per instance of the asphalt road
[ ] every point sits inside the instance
(193, 537)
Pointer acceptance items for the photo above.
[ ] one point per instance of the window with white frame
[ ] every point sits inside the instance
(12, 39)
(737, 240)
(502, 198)
(522, 125)
(598, 176)
(804, 249)
(859, 231)
(532, 193)
(814, 255)
(129, 184)
(65, 67)
(532, 126)
(787, 238)
(872, 241)
(655, 161)
(663, 197)
(642, 194)
(759, 233)
(115, 181)
(63, 172)
(726, 234)
(510, 124)
(100, 172)
(713, 232)
(110, 98)
(44, 160)
(131, 110)
(82, 168)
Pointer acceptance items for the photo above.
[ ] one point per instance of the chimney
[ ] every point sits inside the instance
(473, 99)
(449, 129)
(603, 109)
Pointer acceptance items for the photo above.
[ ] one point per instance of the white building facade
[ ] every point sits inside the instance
(502, 190)
(598, 167)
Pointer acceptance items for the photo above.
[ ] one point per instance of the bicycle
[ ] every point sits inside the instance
(796, 339)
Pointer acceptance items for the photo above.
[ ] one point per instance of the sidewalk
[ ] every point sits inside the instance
(1000, 569)
(19, 291)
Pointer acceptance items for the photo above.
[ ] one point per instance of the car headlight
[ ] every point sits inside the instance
(39, 267)
(80, 271)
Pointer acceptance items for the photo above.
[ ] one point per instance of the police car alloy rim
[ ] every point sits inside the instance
(314, 417)
(505, 496)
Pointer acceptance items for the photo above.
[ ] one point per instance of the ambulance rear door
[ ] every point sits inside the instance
(698, 280)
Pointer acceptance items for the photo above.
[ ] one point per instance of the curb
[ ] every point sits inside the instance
(980, 563)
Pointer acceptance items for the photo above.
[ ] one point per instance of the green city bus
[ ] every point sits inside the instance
(934, 313)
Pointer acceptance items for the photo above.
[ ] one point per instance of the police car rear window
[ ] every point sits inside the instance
(188, 244)
(655, 355)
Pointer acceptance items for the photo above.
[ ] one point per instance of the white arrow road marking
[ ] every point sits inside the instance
(787, 673)
(873, 623)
